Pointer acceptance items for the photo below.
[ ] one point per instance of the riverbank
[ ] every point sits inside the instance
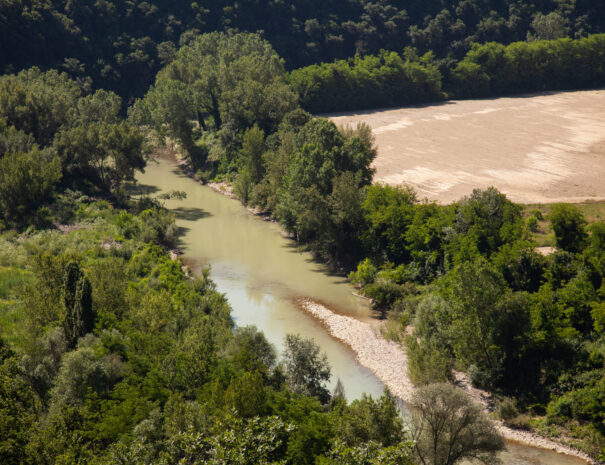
(261, 273)
(388, 361)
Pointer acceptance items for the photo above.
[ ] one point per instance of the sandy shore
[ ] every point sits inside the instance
(388, 361)
(540, 148)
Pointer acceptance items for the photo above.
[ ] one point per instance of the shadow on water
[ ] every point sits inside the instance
(141, 189)
(320, 266)
(181, 231)
(179, 172)
(190, 213)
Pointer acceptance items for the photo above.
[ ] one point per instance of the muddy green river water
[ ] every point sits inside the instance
(262, 275)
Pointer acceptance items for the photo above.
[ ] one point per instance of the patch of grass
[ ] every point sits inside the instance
(543, 234)
(12, 329)
(12, 282)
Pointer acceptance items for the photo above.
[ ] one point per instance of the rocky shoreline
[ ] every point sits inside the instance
(388, 361)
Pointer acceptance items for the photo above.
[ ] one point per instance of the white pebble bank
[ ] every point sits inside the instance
(388, 361)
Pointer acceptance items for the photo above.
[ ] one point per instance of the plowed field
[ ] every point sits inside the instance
(535, 148)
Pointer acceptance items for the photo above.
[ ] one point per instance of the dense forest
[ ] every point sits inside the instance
(120, 45)
(111, 352)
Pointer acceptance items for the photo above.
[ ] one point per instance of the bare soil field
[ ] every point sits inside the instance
(538, 148)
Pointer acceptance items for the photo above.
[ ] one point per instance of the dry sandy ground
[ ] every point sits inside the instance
(388, 361)
(535, 148)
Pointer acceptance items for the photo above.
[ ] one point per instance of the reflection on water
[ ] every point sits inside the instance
(262, 274)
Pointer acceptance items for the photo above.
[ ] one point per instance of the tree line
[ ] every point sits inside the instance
(492, 69)
(120, 45)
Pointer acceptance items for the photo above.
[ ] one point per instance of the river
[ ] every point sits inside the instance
(262, 274)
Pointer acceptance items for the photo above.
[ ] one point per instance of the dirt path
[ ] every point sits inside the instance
(536, 149)
(388, 361)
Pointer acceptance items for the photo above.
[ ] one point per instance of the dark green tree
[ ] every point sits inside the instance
(27, 180)
(79, 316)
(17, 408)
(218, 80)
(569, 226)
(369, 419)
(307, 370)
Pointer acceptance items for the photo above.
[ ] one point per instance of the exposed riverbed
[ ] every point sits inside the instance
(264, 275)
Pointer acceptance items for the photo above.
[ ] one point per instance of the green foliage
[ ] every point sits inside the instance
(550, 61)
(306, 369)
(320, 198)
(429, 361)
(520, 265)
(569, 225)
(18, 408)
(485, 220)
(384, 294)
(473, 292)
(370, 453)
(108, 153)
(372, 420)
(51, 132)
(229, 81)
(370, 81)
(79, 315)
(496, 69)
(121, 46)
(26, 181)
(365, 273)
(38, 103)
(548, 27)
(448, 427)
(389, 212)
(232, 441)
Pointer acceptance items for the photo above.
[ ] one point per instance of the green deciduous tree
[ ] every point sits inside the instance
(232, 441)
(26, 181)
(548, 27)
(38, 103)
(223, 80)
(108, 153)
(307, 370)
(484, 221)
(388, 211)
(569, 225)
(447, 427)
(370, 453)
(369, 419)
(473, 292)
(319, 201)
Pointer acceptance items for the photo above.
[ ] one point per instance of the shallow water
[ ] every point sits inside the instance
(263, 274)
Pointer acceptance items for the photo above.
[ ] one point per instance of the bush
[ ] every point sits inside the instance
(26, 181)
(365, 273)
(569, 226)
(384, 294)
(429, 361)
